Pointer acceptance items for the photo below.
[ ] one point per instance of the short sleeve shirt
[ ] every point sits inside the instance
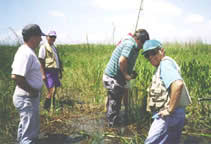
(26, 64)
(169, 72)
(42, 53)
(126, 48)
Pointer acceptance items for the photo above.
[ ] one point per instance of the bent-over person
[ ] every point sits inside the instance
(167, 96)
(119, 71)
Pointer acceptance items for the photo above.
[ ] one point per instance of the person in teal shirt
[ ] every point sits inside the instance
(170, 99)
(119, 71)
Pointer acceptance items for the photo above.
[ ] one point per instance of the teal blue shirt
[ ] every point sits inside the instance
(169, 72)
(127, 48)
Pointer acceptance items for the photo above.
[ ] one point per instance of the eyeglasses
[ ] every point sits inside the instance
(151, 53)
(52, 37)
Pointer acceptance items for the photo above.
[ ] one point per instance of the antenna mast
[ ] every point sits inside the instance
(139, 13)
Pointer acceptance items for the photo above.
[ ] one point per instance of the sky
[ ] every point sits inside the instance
(108, 21)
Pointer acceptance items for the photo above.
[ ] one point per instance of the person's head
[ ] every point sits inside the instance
(141, 35)
(51, 37)
(153, 51)
(32, 35)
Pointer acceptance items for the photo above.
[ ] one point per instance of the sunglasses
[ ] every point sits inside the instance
(151, 53)
(52, 37)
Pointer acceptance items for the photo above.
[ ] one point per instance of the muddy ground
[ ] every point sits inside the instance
(83, 124)
(79, 123)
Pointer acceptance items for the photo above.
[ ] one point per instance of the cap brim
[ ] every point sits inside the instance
(147, 51)
(42, 34)
(150, 49)
(143, 52)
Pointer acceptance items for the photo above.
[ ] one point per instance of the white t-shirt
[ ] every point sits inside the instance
(26, 64)
(42, 54)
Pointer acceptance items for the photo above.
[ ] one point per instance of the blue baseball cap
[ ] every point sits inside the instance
(150, 45)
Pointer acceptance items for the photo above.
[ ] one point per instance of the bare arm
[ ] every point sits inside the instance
(42, 62)
(23, 84)
(124, 67)
(176, 89)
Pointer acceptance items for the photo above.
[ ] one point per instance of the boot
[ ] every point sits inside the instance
(54, 102)
(47, 104)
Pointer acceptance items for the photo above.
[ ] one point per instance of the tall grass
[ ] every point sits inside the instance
(7, 111)
(82, 80)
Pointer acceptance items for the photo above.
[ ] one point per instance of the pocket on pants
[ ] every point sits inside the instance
(176, 119)
(107, 84)
(117, 90)
(18, 102)
(21, 102)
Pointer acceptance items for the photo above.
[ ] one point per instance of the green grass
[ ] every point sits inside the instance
(82, 81)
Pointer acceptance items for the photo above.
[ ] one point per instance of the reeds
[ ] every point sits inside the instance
(82, 80)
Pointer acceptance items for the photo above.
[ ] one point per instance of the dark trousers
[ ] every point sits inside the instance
(114, 104)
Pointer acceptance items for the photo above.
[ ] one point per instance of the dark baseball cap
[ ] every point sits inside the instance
(32, 30)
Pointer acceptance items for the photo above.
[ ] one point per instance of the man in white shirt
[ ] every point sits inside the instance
(28, 77)
(51, 68)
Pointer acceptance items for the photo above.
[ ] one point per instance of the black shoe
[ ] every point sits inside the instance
(110, 125)
(115, 124)
(47, 104)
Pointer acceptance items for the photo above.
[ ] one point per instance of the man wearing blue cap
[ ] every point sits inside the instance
(28, 77)
(119, 71)
(51, 68)
(167, 96)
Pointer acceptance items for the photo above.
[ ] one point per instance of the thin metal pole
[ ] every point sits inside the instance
(139, 14)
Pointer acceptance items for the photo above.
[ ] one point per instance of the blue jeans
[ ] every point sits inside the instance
(29, 125)
(167, 130)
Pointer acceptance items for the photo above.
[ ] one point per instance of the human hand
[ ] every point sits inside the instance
(60, 74)
(34, 92)
(164, 113)
(43, 77)
(134, 75)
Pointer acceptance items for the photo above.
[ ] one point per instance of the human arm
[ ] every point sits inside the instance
(127, 59)
(60, 74)
(173, 81)
(175, 93)
(61, 68)
(41, 55)
(42, 68)
(23, 84)
(123, 64)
